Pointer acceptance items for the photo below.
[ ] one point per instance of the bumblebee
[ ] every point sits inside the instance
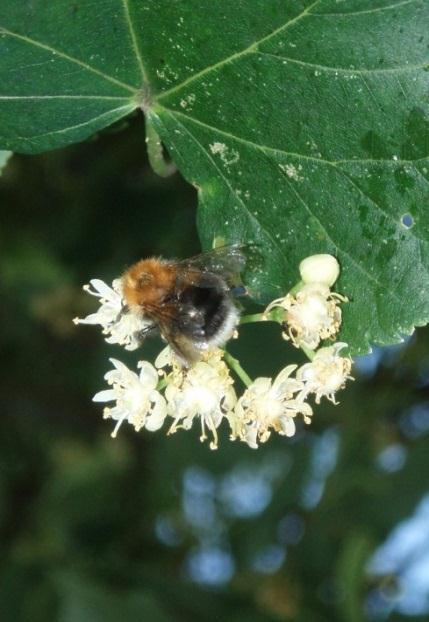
(190, 302)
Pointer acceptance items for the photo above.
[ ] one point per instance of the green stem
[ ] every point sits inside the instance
(308, 352)
(236, 367)
(253, 317)
(155, 151)
(296, 288)
(276, 315)
(161, 384)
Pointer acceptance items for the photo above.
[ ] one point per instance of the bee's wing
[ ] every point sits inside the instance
(225, 261)
(167, 321)
(184, 348)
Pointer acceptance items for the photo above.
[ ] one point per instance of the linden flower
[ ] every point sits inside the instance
(205, 391)
(137, 400)
(327, 373)
(268, 405)
(121, 325)
(311, 315)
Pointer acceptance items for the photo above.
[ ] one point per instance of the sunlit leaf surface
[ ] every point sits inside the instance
(303, 123)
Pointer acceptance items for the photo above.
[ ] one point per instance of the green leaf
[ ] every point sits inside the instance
(353, 557)
(82, 601)
(303, 123)
(4, 157)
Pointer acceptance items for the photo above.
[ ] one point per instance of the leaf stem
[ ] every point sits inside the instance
(155, 151)
(236, 367)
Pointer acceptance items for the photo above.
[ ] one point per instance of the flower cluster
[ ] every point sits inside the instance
(309, 314)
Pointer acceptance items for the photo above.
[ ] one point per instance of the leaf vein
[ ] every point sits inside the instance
(318, 160)
(91, 97)
(134, 41)
(71, 59)
(420, 174)
(228, 185)
(128, 108)
(371, 94)
(350, 71)
(302, 156)
(370, 276)
(376, 10)
(248, 50)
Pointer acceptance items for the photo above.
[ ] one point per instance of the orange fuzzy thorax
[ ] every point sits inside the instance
(148, 282)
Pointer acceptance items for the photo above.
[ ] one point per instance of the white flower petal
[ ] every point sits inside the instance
(157, 417)
(283, 384)
(288, 426)
(285, 373)
(250, 437)
(261, 385)
(148, 374)
(103, 289)
(108, 395)
(164, 358)
(120, 366)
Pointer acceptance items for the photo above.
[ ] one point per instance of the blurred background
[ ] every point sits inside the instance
(330, 525)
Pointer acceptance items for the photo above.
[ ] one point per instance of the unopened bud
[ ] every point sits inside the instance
(322, 269)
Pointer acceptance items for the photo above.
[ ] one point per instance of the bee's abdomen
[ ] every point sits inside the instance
(205, 310)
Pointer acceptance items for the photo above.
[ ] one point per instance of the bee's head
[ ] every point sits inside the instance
(146, 282)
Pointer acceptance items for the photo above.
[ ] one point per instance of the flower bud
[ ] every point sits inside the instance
(322, 269)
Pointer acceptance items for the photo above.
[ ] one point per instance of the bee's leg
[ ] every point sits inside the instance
(125, 309)
(148, 331)
(239, 290)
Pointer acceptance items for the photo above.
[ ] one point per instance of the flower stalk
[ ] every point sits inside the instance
(237, 368)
